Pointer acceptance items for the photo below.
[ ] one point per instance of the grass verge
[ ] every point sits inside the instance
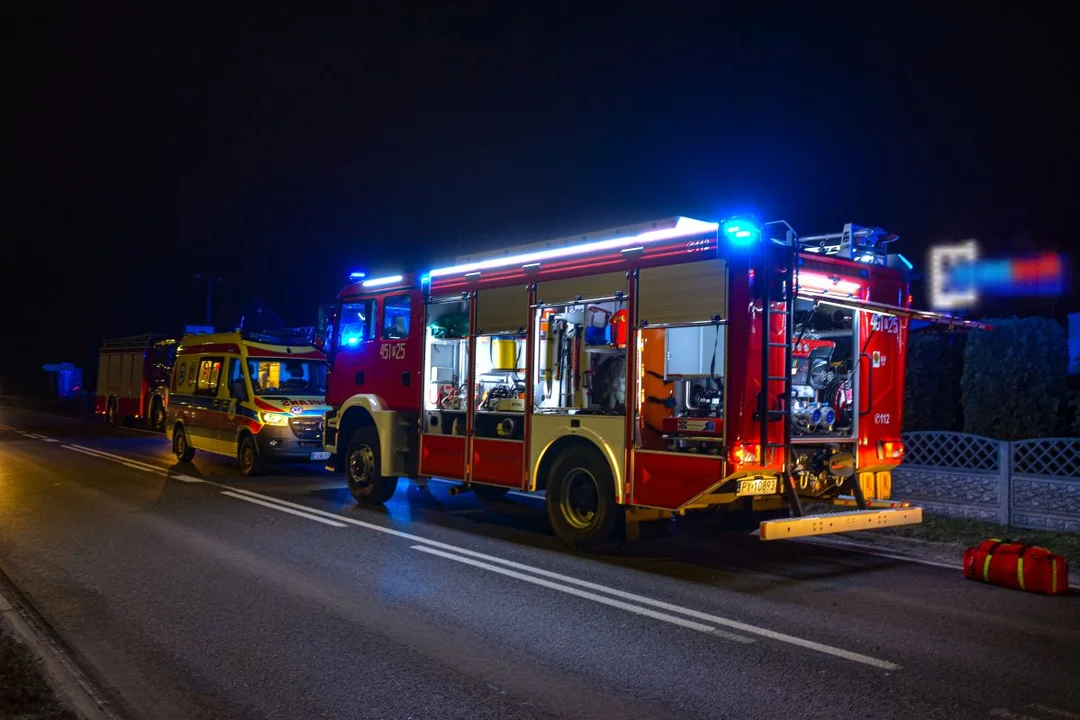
(951, 532)
(965, 532)
(24, 691)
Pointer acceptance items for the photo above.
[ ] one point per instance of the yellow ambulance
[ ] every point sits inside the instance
(258, 397)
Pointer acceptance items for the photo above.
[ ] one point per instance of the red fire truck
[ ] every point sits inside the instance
(636, 374)
(133, 379)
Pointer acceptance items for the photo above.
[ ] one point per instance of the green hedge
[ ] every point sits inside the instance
(1014, 379)
(935, 362)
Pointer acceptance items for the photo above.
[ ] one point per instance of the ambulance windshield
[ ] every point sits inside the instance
(287, 376)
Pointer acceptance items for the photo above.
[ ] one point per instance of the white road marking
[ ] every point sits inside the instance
(284, 509)
(690, 624)
(337, 520)
(127, 462)
(187, 479)
(716, 619)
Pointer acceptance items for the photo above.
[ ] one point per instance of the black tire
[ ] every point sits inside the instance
(490, 492)
(157, 415)
(184, 452)
(363, 460)
(581, 500)
(247, 454)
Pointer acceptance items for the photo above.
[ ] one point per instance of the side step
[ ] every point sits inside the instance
(838, 523)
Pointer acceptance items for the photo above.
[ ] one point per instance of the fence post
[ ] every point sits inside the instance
(1005, 482)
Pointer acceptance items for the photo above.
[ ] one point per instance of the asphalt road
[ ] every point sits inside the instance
(192, 592)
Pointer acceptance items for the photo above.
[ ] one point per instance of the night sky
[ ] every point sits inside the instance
(279, 150)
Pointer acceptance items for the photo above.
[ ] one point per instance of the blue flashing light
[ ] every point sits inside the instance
(352, 340)
(741, 232)
(906, 262)
(357, 276)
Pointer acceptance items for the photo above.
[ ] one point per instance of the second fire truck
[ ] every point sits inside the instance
(634, 374)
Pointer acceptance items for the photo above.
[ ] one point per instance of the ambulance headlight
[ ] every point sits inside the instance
(270, 418)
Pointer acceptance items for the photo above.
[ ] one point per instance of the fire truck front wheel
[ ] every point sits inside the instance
(581, 500)
(363, 469)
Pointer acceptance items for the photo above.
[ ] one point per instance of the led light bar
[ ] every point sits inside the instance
(683, 227)
(381, 281)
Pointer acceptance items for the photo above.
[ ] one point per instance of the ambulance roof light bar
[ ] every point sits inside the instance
(682, 227)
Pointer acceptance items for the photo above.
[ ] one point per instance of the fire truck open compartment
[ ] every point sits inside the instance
(823, 372)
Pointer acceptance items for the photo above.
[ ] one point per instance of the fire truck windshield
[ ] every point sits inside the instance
(287, 376)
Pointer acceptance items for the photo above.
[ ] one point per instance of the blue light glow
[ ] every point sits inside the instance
(352, 340)
(906, 262)
(357, 275)
(741, 232)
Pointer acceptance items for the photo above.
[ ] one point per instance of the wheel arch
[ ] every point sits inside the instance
(369, 411)
(555, 448)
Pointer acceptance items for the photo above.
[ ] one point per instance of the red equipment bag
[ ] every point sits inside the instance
(1017, 566)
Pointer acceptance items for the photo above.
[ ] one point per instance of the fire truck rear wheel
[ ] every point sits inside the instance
(581, 500)
(157, 415)
(363, 469)
(184, 452)
(247, 454)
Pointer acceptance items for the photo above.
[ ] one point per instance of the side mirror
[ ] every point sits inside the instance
(323, 327)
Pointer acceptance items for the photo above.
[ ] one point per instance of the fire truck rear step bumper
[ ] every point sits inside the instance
(838, 523)
(849, 501)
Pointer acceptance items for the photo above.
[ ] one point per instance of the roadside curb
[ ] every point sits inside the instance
(871, 549)
(72, 686)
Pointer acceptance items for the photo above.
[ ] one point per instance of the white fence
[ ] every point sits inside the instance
(1026, 483)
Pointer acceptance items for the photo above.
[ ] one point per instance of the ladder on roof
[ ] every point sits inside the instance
(778, 307)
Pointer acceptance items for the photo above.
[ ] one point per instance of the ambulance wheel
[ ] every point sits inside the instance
(581, 500)
(363, 471)
(490, 492)
(183, 451)
(157, 415)
(247, 454)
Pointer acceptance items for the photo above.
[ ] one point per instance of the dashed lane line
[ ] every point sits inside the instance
(340, 520)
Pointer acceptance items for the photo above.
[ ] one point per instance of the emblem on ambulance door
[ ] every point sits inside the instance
(296, 410)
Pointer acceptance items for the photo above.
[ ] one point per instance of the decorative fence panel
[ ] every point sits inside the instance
(1028, 483)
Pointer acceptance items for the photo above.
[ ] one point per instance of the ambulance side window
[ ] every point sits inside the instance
(396, 317)
(209, 376)
(357, 324)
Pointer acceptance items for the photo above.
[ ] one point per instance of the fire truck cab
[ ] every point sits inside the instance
(635, 374)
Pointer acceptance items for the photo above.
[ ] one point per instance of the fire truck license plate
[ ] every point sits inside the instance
(757, 486)
(320, 455)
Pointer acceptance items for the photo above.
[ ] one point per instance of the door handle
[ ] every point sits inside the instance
(359, 378)
(406, 378)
